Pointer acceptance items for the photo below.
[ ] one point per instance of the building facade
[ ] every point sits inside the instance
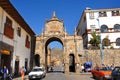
(106, 24)
(17, 40)
(54, 31)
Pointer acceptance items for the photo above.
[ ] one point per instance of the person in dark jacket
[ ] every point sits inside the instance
(4, 72)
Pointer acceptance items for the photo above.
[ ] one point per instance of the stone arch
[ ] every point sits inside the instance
(49, 40)
(53, 38)
(54, 31)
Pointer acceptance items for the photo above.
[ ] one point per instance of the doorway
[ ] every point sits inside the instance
(71, 63)
(37, 60)
(16, 67)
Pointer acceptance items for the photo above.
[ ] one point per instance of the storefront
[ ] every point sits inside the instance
(6, 55)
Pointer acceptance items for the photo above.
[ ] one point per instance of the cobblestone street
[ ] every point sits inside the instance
(57, 74)
(61, 76)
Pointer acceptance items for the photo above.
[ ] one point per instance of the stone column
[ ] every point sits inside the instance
(66, 68)
(77, 66)
(48, 57)
(66, 64)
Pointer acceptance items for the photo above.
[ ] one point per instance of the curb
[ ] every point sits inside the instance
(80, 73)
(19, 78)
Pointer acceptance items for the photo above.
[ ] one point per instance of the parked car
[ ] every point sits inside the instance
(116, 73)
(102, 74)
(37, 73)
(0, 75)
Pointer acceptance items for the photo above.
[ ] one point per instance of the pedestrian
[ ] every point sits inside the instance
(82, 67)
(23, 70)
(97, 67)
(5, 72)
(112, 66)
(51, 68)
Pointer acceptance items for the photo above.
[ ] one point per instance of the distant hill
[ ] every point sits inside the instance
(56, 56)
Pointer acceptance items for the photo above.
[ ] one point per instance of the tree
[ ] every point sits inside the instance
(95, 40)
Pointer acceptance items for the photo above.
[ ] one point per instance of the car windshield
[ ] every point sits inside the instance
(106, 69)
(116, 69)
(37, 69)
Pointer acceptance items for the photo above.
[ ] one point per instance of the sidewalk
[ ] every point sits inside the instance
(19, 78)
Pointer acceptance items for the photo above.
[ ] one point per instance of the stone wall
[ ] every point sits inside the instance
(111, 56)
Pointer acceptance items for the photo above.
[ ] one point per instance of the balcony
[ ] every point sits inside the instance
(8, 31)
(27, 44)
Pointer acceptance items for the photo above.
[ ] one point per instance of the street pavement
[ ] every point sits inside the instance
(62, 76)
(57, 74)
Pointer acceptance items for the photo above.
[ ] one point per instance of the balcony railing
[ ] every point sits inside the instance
(27, 44)
(8, 31)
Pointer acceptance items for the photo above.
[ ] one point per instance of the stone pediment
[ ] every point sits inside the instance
(54, 25)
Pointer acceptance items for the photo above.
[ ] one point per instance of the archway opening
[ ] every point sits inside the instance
(54, 54)
(71, 63)
(37, 60)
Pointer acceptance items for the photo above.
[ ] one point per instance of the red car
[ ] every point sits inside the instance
(101, 74)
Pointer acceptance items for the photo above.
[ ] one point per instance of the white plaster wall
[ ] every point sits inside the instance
(110, 21)
(18, 42)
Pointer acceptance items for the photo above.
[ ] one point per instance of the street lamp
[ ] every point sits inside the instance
(101, 49)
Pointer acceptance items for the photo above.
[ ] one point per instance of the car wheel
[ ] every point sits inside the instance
(93, 76)
(44, 75)
(102, 78)
(112, 78)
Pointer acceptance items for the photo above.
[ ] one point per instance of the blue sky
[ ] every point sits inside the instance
(35, 12)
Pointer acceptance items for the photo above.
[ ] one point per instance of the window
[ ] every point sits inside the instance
(104, 28)
(27, 38)
(115, 13)
(118, 42)
(91, 15)
(102, 14)
(8, 22)
(27, 42)
(84, 19)
(106, 42)
(8, 30)
(19, 31)
(117, 27)
(92, 28)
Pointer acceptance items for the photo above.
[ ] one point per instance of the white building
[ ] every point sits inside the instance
(106, 22)
(17, 40)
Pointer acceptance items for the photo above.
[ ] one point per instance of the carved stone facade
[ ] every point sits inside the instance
(54, 31)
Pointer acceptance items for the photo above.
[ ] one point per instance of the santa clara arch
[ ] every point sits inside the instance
(54, 31)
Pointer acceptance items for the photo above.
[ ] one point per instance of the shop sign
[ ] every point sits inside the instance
(3, 51)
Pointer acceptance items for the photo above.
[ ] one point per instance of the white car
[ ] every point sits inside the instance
(37, 73)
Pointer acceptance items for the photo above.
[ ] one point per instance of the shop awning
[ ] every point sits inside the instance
(6, 52)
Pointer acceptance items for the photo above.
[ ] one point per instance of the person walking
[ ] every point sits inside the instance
(23, 70)
(83, 68)
(4, 72)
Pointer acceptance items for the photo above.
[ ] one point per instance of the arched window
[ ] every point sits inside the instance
(104, 28)
(118, 42)
(106, 42)
(117, 27)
